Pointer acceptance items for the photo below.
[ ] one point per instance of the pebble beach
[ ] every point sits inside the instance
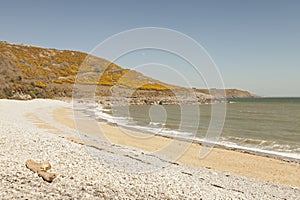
(85, 172)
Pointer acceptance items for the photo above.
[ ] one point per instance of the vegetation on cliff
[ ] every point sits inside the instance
(47, 73)
(33, 72)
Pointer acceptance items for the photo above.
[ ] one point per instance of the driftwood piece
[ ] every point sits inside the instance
(41, 169)
(47, 176)
(35, 166)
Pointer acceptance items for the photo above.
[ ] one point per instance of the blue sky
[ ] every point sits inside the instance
(255, 44)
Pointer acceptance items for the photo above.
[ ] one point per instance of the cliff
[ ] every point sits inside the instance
(28, 72)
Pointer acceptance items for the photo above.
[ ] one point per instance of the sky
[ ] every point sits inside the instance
(255, 44)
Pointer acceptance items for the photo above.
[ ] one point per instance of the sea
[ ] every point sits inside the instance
(263, 125)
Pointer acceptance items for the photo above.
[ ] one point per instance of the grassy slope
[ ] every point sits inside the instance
(42, 72)
(50, 73)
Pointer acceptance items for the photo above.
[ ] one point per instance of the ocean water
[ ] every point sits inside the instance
(266, 125)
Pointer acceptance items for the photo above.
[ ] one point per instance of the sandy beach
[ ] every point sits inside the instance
(46, 130)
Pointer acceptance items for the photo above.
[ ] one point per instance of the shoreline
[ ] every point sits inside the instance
(288, 156)
(246, 150)
(63, 117)
(34, 130)
(242, 163)
(196, 140)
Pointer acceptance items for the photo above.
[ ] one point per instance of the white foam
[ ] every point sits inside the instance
(159, 129)
(263, 151)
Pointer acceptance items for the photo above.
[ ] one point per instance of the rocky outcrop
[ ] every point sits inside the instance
(178, 96)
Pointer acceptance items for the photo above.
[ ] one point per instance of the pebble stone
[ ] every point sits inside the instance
(82, 175)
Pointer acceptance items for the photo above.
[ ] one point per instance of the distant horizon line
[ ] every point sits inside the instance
(278, 97)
